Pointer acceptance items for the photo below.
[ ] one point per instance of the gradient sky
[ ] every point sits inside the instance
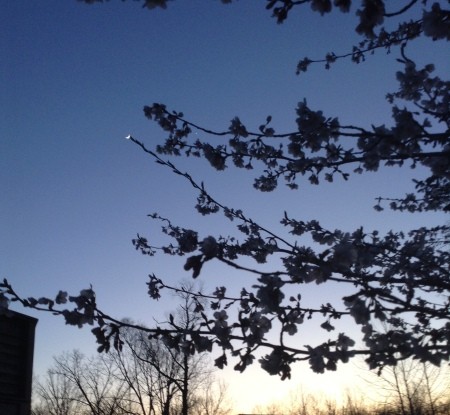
(75, 192)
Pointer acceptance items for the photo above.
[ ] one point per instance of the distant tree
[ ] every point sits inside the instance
(133, 369)
(301, 403)
(194, 372)
(55, 395)
(212, 400)
(94, 383)
(164, 379)
(401, 277)
(414, 388)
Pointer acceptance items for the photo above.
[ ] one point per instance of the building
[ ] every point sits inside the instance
(16, 362)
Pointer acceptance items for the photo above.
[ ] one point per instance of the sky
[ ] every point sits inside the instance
(75, 193)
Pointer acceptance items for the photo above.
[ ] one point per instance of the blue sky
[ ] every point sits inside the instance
(75, 192)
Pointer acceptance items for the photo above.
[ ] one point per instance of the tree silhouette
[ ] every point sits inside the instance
(399, 278)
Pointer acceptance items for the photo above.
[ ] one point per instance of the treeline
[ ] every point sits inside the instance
(147, 378)
(409, 388)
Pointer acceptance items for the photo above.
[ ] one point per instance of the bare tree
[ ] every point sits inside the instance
(162, 379)
(148, 367)
(55, 395)
(135, 373)
(212, 400)
(414, 388)
(99, 392)
(195, 369)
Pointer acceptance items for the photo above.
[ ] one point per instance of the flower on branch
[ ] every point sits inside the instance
(358, 310)
(269, 293)
(321, 6)
(214, 156)
(209, 247)
(237, 128)
(187, 241)
(436, 23)
(151, 4)
(61, 298)
(371, 15)
(278, 362)
(221, 319)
